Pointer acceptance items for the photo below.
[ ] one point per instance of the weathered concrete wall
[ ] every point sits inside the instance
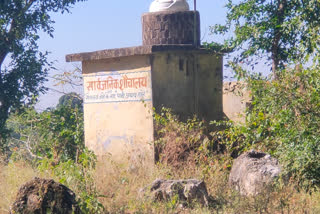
(189, 83)
(236, 99)
(118, 106)
(210, 70)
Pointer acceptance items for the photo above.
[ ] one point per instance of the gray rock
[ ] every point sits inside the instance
(253, 172)
(187, 191)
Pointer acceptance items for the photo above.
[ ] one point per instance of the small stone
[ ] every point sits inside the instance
(188, 191)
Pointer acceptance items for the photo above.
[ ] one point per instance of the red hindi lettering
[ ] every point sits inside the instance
(143, 81)
(91, 85)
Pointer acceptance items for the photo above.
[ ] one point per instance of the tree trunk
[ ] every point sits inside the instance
(4, 109)
(274, 52)
(277, 36)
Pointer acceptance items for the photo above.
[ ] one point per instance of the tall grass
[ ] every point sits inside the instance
(118, 185)
(12, 176)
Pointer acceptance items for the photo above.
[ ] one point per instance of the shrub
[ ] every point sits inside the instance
(284, 120)
(79, 177)
(180, 143)
(55, 133)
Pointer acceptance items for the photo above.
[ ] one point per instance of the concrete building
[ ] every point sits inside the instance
(123, 86)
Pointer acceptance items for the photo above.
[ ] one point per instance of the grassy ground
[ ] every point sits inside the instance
(12, 176)
(118, 185)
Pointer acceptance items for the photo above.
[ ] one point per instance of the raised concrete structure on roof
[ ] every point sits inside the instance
(122, 86)
(165, 28)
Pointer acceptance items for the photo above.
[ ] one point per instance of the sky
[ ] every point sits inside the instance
(104, 24)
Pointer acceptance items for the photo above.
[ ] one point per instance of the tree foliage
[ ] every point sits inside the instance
(23, 67)
(72, 99)
(284, 31)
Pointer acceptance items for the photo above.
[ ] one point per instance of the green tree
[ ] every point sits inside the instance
(72, 99)
(284, 31)
(23, 68)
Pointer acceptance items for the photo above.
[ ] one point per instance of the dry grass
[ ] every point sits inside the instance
(12, 176)
(118, 184)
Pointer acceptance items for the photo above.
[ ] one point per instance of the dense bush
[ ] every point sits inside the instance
(55, 133)
(77, 175)
(284, 120)
(180, 143)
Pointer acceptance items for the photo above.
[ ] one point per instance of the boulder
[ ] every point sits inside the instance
(253, 172)
(187, 191)
(40, 196)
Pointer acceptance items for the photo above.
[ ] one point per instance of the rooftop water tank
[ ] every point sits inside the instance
(169, 5)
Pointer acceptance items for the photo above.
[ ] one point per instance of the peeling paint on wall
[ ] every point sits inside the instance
(124, 139)
(118, 111)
